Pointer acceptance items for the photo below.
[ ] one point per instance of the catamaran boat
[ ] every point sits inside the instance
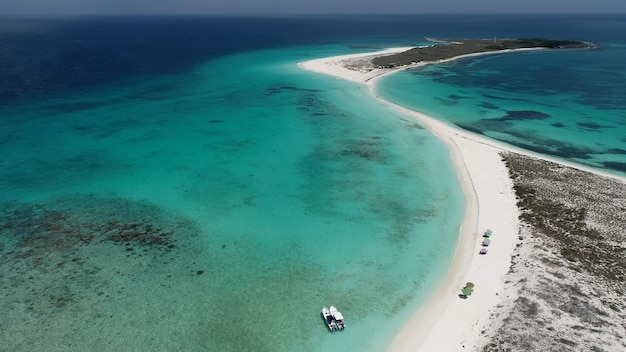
(328, 319)
(338, 317)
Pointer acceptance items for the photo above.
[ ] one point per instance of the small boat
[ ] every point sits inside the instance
(338, 317)
(328, 319)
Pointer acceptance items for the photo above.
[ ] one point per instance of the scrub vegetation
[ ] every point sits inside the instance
(565, 288)
(448, 48)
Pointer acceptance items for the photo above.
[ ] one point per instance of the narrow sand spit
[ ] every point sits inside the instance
(447, 322)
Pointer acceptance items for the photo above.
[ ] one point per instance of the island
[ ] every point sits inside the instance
(366, 67)
(554, 280)
(449, 48)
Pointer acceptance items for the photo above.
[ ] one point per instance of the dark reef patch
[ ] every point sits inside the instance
(281, 88)
(496, 97)
(558, 125)
(311, 105)
(616, 151)
(456, 97)
(412, 124)
(447, 101)
(615, 165)
(524, 115)
(368, 149)
(62, 253)
(591, 126)
(489, 106)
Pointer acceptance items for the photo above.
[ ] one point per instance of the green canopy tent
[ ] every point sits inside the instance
(468, 289)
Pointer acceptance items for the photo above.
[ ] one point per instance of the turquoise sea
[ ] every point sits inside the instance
(568, 105)
(178, 183)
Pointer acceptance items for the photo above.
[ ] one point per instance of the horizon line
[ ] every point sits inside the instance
(304, 14)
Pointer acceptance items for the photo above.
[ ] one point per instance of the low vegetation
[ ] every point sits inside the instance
(538, 43)
(565, 286)
(450, 48)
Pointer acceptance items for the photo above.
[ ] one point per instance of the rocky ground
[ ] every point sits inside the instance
(565, 288)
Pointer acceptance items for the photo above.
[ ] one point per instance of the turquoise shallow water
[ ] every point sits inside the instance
(565, 104)
(180, 184)
(219, 209)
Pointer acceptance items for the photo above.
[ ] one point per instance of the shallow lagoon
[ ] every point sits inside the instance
(199, 191)
(566, 104)
(220, 209)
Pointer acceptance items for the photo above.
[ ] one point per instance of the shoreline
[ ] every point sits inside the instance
(336, 65)
(445, 321)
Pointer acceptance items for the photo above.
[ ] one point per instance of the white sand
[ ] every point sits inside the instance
(336, 65)
(447, 322)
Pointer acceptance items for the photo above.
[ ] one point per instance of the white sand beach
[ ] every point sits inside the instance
(448, 322)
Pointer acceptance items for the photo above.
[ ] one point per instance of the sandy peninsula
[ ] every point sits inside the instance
(448, 322)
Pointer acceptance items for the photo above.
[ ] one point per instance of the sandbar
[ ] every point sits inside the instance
(447, 322)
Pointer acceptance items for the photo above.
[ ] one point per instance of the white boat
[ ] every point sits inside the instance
(336, 314)
(328, 319)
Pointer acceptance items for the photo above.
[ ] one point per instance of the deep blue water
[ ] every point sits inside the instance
(46, 56)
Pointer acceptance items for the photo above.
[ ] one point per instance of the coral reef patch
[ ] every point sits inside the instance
(71, 264)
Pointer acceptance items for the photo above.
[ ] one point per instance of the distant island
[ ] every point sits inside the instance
(449, 48)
